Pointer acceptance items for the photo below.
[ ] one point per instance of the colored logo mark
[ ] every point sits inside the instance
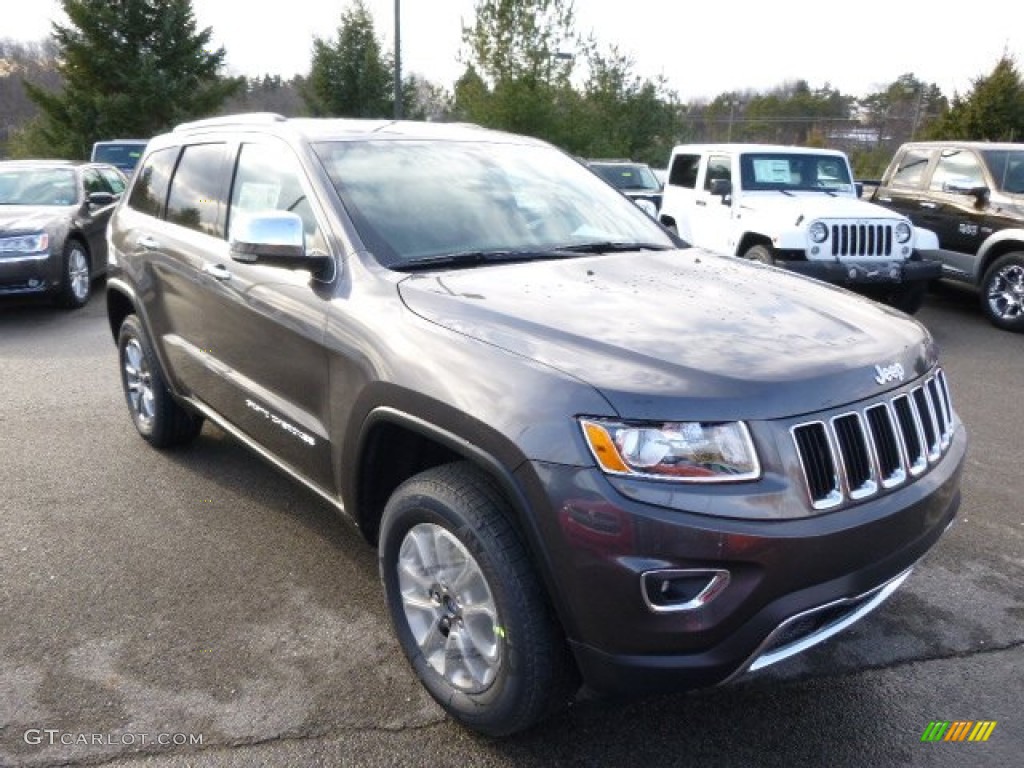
(958, 730)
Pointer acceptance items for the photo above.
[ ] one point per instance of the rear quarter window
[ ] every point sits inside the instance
(149, 193)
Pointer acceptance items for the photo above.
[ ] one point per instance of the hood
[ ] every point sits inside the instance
(681, 334)
(26, 218)
(813, 205)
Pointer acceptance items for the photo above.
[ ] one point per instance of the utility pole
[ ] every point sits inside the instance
(398, 59)
(917, 112)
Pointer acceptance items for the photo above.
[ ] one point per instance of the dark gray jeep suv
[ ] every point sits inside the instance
(583, 450)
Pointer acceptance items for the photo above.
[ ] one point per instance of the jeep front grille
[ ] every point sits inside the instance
(862, 240)
(853, 455)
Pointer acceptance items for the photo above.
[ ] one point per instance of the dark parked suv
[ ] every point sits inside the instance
(583, 450)
(971, 194)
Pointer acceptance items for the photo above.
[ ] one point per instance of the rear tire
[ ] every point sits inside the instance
(158, 417)
(467, 607)
(1002, 292)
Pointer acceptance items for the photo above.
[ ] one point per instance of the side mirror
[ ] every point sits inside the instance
(721, 187)
(273, 237)
(859, 188)
(99, 199)
(979, 193)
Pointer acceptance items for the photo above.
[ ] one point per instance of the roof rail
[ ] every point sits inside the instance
(245, 118)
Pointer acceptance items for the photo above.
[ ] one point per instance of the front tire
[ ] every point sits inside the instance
(157, 415)
(760, 253)
(467, 606)
(1002, 292)
(76, 278)
(908, 297)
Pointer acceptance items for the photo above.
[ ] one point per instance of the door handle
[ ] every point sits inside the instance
(926, 204)
(885, 199)
(147, 242)
(702, 203)
(218, 271)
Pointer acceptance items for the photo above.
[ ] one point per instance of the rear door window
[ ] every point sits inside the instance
(684, 171)
(195, 200)
(911, 168)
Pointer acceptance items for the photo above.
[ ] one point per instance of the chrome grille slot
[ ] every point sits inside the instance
(887, 446)
(861, 240)
(940, 376)
(910, 432)
(856, 453)
(815, 451)
(924, 413)
(935, 400)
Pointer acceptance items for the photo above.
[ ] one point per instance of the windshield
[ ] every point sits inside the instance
(788, 172)
(412, 200)
(1007, 168)
(38, 186)
(627, 175)
(124, 155)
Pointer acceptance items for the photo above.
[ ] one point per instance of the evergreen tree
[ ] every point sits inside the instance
(130, 68)
(350, 77)
(518, 66)
(992, 111)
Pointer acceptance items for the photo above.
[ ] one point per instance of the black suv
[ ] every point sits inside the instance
(582, 450)
(971, 194)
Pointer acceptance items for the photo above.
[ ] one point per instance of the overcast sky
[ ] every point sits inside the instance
(703, 48)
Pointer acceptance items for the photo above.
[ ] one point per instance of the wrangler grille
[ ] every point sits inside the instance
(855, 454)
(862, 240)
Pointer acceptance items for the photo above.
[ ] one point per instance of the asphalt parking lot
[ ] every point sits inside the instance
(198, 608)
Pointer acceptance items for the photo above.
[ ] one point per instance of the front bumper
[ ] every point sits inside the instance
(28, 274)
(792, 583)
(867, 272)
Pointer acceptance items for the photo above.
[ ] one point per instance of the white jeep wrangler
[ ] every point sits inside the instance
(797, 208)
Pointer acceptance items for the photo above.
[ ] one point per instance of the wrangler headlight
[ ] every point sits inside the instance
(34, 243)
(902, 232)
(818, 232)
(687, 451)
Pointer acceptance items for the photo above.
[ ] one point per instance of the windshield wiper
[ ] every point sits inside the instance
(610, 246)
(475, 258)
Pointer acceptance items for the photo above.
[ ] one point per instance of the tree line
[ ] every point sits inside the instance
(137, 67)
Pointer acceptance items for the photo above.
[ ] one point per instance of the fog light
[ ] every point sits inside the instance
(894, 273)
(33, 283)
(815, 250)
(852, 274)
(682, 590)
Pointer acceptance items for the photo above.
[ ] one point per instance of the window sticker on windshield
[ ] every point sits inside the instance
(771, 171)
(258, 196)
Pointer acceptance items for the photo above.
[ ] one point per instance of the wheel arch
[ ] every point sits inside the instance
(998, 244)
(121, 302)
(750, 239)
(420, 445)
(413, 445)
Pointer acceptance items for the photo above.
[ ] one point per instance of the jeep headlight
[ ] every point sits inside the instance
(818, 232)
(37, 242)
(902, 232)
(687, 451)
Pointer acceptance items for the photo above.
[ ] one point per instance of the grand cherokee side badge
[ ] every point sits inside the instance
(889, 373)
